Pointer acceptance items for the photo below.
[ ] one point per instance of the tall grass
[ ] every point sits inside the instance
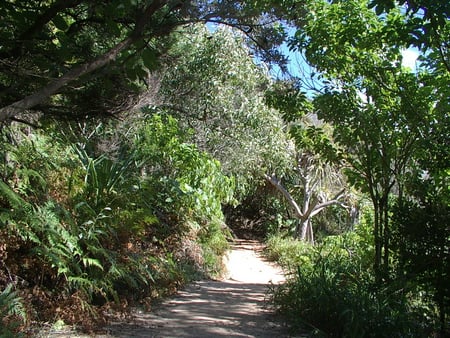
(332, 292)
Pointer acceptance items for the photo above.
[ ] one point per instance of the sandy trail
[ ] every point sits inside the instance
(232, 307)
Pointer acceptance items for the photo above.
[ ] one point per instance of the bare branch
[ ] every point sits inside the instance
(276, 183)
(335, 200)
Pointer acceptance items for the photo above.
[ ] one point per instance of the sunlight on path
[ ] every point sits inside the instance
(232, 307)
(246, 265)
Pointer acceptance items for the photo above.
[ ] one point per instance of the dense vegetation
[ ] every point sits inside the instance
(136, 141)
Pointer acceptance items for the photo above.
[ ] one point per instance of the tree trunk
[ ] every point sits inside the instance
(274, 181)
(307, 233)
(377, 243)
(386, 236)
(311, 207)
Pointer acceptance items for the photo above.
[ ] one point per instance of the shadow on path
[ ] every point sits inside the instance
(207, 309)
(234, 307)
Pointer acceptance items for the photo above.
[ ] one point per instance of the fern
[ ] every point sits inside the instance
(10, 196)
(88, 262)
(10, 306)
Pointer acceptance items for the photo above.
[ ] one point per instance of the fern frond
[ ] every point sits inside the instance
(11, 196)
(80, 282)
(87, 262)
(11, 303)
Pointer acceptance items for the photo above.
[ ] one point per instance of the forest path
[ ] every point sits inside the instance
(231, 307)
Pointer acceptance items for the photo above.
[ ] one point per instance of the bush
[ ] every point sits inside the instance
(333, 292)
(82, 229)
(420, 239)
(289, 252)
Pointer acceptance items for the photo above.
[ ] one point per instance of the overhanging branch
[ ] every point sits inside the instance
(53, 87)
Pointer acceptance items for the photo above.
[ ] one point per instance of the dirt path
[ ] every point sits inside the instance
(232, 307)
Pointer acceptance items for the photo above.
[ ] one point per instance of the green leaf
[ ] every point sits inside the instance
(149, 58)
(60, 23)
(13, 198)
(92, 262)
(114, 27)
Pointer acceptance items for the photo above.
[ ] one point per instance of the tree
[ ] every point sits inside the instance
(215, 88)
(424, 24)
(313, 202)
(420, 238)
(379, 110)
(61, 42)
(316, 176)
(420, 219)
(85, 58)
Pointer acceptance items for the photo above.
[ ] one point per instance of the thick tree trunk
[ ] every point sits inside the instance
(307, 233)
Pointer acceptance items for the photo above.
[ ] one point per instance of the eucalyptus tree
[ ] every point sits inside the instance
(379, 110)
(216, 89)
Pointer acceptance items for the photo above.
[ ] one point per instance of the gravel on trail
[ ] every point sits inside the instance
(231, 307)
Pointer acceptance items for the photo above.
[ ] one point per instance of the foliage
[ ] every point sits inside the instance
(380, 111)
(105, 50)
(288, 252)
(384, 118)
(49, 249)
(215, 88)
(187, 181)
(83, 228)
(315, 181)
(424, 24)
(12, 312)
(420, 237)
(258, 215)
(288, 99)
(185, 184)
(93, 211)
(332, 292)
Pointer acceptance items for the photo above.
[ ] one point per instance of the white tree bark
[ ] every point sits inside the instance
(311, 207)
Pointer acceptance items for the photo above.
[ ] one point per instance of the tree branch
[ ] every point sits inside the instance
(47, 16)
(276, 183)
(102, 60)
(335, 200)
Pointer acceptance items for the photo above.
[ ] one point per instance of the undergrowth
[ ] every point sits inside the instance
(331, 292)
(84, 229)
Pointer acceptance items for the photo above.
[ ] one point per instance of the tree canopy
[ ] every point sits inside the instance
(61, 54)
(132, 132)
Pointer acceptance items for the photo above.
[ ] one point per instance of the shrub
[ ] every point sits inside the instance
(82, 229)
(333, 293)
(289, 252)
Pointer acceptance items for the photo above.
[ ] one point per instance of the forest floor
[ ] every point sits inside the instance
(234, 306)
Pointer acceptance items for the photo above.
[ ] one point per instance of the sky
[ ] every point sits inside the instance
(298, 66)
(410, 58)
